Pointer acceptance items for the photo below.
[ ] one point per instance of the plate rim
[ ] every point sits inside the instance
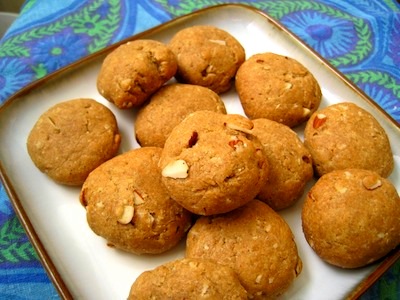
(20, 212)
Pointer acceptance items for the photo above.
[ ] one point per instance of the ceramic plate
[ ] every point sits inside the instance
(79, 262)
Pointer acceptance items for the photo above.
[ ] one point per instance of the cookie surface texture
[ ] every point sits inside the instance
(351, 217)
(211, 163)
(278, 88)
(345, 135)
(135, 70)
(290, 164)
(207, 56)
(255, 242)
(168, 107)
(72, 138)
(188, 279)
(127, 205)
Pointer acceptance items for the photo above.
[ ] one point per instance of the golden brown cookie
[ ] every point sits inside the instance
(168, 107)
(289, 160)
(211, 163)
(345, 135)
(134, 71)
(278, 88)
(72, 138)
(255, 242)
(127, 205)
(188, 279)
(207, 56)
(351, 217)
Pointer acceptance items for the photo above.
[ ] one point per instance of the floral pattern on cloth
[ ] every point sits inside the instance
(359, 37)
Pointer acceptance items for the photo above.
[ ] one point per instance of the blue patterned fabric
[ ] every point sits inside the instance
(359, 37)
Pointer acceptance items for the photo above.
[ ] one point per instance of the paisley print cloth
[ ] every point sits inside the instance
(359, 37)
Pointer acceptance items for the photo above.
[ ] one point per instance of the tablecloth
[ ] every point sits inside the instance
(359, 37)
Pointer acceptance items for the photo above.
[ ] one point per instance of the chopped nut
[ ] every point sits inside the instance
(193, 139)
(371, 182)
(319, 120)
(348, 174)
(288, 86)
(306, 112)
(176, 169)
(219, 42)
(271, 280)
(127, 214)
(204, 290)
(258, 278)
(239, 127)
(236, 143)
(137, 198)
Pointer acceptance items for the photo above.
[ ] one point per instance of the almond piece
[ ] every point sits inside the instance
(219, 42)
(137, 198)
(371, 182)
(319, 120)
(306, 112)
(176, 169)
(127, 214)
(238, 128)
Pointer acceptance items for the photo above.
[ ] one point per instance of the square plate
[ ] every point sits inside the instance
(79, 262)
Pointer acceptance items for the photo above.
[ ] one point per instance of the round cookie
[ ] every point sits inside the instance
(72, 138)
(343, 136)
(211, 163)
(278, 88)
(255, 242)
(127, 205)
(168, 107)
(134, 71)
(188, 279)
(351, 217)
(290, 163)
(207, 56)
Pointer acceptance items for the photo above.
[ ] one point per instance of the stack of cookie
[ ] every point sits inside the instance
(219, 179)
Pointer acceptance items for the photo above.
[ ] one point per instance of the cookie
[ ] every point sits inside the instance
(351, 217)
(168, 107)
(278, 88)
(135, 70)
(255, 242)
(188, 279)
(127, 205)
(211, 163)
(290, 163)
(207, 56)
(72, 138)
(345, 135)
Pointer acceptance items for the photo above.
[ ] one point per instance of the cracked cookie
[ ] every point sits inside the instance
(168, 107)
(72, 138)
(212, 163)
(278, 88)
(127, 205)
(208, 280)
(290, 163)
(345, 135)
(207, 56)
(351, 217)
(255, 242)
(134, 71)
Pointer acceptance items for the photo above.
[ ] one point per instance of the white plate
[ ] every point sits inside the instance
(89, 268)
